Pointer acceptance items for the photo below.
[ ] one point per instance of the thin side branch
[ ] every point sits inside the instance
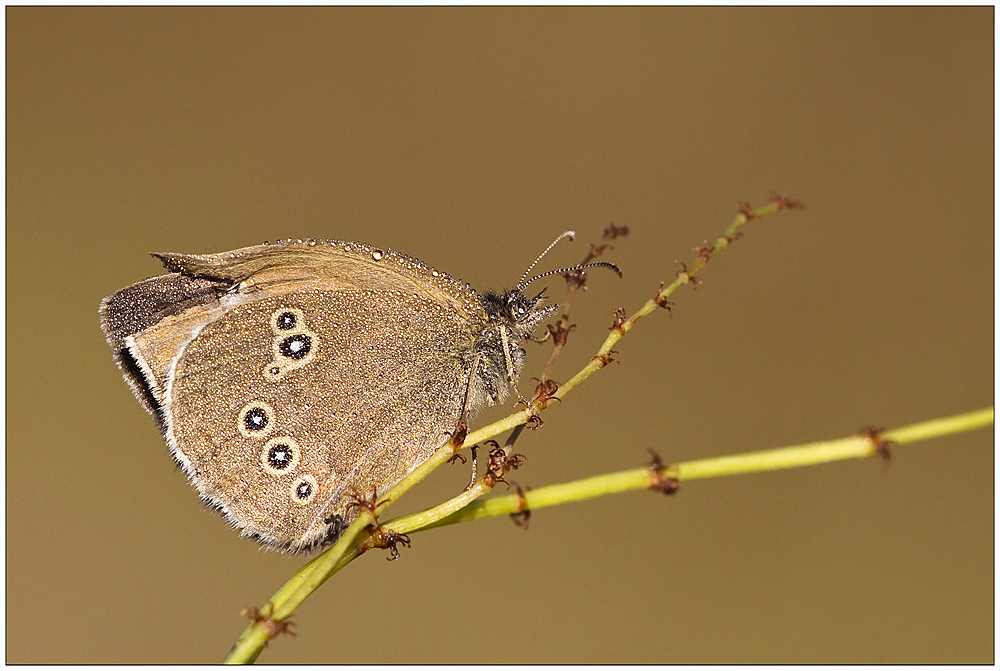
(867, 444)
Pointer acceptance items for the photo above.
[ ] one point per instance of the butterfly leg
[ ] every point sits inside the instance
(462, 425)
(475, 464)
(510, 365)
(475, 467)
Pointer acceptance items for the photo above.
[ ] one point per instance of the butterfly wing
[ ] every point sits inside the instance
(289, 377)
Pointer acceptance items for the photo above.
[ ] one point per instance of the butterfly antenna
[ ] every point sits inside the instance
(565, 234)
(595, 264)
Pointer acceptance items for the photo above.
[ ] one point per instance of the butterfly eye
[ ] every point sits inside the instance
(287, 320)
(304, 489)
(280, 455)
(256, 419)
(296, 346)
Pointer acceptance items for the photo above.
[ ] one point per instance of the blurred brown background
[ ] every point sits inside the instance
(469, 138)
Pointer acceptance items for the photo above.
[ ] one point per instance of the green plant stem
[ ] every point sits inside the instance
(810, 454)
(317, 571)
(685, 276)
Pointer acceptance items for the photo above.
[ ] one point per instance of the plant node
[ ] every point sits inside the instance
(460, 432)
(619, 323)
(612, 231)
(272, 626)
(880, 446)
(387, 539)
(575, 279)
(358, 501)
(661, 300)
(784, 203)
(558, 332)
(660, 481)
(705, 251)
(499, 464)
(523, 515)
(747, 211)
(605, 359)
(544, 392)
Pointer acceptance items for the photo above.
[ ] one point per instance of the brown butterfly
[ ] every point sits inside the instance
(287, 377)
